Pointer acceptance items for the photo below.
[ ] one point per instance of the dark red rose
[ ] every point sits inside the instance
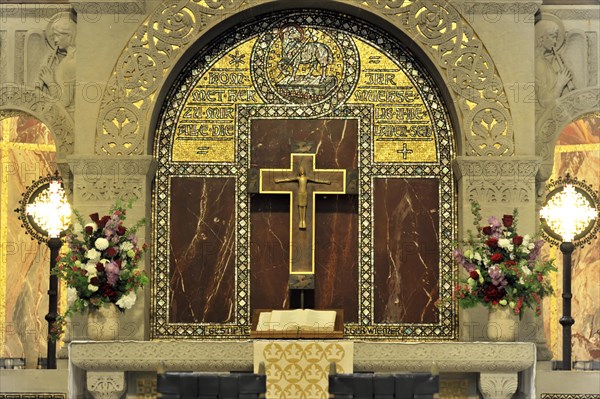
(118, 262)
(95, 217)
(497, 257)
(510, 263)
(89, 230)
(121, 230)
(517, 240)
(493, 294)
(108, 291)
(487, 230)
(492, 242)
(110, 252)
(102, 222)
(99, 267)
(507, 220)
(95, 281)
(474, 275)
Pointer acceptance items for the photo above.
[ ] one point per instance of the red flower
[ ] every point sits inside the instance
(517, 240)
(95, 281)
(492, 242)
(497, 257)
(487, 230)
(121, 230)
(540, 277)
(89, 230)
(493, 294)
(510, 263)
(95, 218)
(474, 275)
(99, 267)
(507, 220)
(102, 222)
(111, 251)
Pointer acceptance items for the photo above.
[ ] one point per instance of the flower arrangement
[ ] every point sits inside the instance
(504, 267)
(100, 265)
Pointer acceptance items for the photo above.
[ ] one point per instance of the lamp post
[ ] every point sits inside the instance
(568, 218)
(46, 214)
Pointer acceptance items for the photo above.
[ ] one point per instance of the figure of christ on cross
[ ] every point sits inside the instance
(301, 184)
(302, 195)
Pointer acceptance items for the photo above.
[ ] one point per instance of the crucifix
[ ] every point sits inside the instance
(302, 182)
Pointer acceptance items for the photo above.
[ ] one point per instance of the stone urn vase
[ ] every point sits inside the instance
(503, 324)
(103, 323)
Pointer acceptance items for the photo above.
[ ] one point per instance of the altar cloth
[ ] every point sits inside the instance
(300, 369)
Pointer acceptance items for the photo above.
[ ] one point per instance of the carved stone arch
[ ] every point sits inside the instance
(568, 109)
(128, 111)
(43, 108)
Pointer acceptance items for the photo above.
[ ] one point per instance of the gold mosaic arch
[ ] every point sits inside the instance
(435, 25)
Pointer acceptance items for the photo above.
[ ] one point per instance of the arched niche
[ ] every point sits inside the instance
(220, 124)
(28, 151)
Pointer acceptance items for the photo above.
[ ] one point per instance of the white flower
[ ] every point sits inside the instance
(477, 256)
(90, 268)
(71, 295)
(101, 244)
(127, 301)
(93, 225)
(468, 253)
(92, 288)
(126, 246)
(77, 229)
(525, 270)
(506, 244)
(93, 255)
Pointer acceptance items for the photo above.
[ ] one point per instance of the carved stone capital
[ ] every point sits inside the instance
(517, 168)
(497, 179)
(498, 386)
(494, 10)
(94, 8)
(96, 179)
(106, 384)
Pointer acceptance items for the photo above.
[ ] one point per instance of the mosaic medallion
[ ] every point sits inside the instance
(296, 64)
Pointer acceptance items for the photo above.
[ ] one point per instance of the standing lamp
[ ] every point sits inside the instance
(569, 219)
(45, 214)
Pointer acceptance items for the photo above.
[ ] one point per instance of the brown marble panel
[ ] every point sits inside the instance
(335, 143)
(202, 250)
(406, 250)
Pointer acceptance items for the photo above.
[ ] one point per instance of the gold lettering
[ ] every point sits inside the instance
(219, 113)
(226, 78)
(192, 112)
(378, 78)
(208, 95)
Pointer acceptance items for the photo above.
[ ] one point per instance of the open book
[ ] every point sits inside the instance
(297, 320)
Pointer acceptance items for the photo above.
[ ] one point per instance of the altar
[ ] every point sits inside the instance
(102, 367)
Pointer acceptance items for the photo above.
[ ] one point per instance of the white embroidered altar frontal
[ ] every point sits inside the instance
(300, 369)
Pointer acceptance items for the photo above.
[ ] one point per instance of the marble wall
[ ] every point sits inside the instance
(202, 249)
(406, 250)
(336, 282)
(27, 152)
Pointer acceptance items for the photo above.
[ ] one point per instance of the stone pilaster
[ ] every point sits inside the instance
(96, 184)
(499, 185)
